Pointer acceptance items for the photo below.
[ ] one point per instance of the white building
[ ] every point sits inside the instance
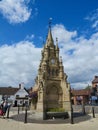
(16, 96)
(21, 97)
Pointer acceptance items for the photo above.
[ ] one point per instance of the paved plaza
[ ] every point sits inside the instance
(16, 122)
(10, 124)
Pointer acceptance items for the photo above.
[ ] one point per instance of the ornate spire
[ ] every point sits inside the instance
(49, 37)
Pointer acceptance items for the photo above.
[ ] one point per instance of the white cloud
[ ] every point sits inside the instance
(19, 63)
(93, 17)
(30, 37)
(15, 11)
(62, 33)
(80, 55)
(95, 24)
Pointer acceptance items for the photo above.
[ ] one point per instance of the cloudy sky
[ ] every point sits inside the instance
(24, 27)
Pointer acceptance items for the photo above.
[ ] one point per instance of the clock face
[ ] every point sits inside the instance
(52, 61)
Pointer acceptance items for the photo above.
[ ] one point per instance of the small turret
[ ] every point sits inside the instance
(61, 70)
(57, 48)
(46, 52)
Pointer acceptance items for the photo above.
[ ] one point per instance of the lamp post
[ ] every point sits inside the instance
(25, 119)
(18, 109)
(83, 107)
(71, 118)
(8, 111)
(97, 93)
(93, 112)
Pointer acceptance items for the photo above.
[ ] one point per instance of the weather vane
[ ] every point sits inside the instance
(56, 39)
(50, 19)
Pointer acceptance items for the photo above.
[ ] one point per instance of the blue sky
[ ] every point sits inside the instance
(24, 27)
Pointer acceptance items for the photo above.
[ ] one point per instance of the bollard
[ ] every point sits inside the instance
(83, 109)
(8, 111)
(18, 109)
(44, 115)
(72, 122)
(93, 112)
(25, 120)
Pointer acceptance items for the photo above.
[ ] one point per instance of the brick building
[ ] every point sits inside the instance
(80, 96)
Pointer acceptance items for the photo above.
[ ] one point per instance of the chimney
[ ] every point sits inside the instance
(96, 77)
(21, 85)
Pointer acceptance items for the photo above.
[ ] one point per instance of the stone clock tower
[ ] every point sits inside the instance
(51, 82)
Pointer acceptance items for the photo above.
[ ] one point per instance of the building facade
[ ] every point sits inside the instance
(80, 97)
(51, 82)
(94, 90)
(21, 97)
(95, 82)
(8, 93)
(15, 96)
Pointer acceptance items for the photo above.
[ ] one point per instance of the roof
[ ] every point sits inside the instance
(95, 79)
(26, 90)
(8, 90)
(80, 92)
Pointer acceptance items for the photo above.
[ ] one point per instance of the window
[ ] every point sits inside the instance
(56, 72)
(53, 61)
(53, 72)
(26, 95)
(17, 96)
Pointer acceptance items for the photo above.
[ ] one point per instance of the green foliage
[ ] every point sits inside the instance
(88, 87)
(56, 110)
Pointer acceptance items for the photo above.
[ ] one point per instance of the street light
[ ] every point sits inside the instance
(71, 118)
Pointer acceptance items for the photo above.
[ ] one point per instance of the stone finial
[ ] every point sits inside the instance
(57, 48)
(56, 40)
(60, 58)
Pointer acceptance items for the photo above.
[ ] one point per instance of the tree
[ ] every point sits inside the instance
(88, 87)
